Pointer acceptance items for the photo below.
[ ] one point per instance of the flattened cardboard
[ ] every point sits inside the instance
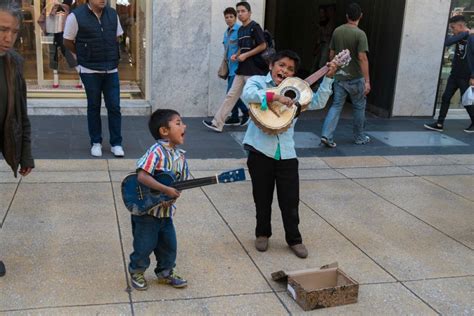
(319, 288)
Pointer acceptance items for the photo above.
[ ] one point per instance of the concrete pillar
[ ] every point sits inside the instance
(421, 51)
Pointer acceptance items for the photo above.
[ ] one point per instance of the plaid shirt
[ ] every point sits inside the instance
(162, 157)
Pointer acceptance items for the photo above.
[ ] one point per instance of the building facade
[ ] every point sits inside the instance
(171, 51)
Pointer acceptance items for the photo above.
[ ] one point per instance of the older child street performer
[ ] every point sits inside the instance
(272, 158)
(155, 231)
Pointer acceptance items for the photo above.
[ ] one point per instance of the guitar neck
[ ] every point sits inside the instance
(194, 183)
(317, 75)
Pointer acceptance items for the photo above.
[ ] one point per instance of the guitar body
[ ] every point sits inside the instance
(138, 198)
(278, 118)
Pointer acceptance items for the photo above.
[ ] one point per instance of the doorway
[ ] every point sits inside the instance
(300, 25)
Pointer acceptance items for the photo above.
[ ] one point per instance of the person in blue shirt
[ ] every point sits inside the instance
(272, 158)
(231, 46)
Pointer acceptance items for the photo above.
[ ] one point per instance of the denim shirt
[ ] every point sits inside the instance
(231, 41)
(254, 92)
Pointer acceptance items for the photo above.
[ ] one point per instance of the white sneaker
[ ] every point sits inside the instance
(117, 151)
(96, 150)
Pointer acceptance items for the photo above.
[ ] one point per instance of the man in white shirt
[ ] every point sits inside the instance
(91, 32)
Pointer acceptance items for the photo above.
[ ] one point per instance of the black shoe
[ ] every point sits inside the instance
(470, 129)
(2, 269)
(245, 121)
(434, 127)
(232, 121)
(209, 125)
(328, 143)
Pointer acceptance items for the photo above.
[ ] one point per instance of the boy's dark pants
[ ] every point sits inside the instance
(452, 86)
(265, 172)
(152, 234)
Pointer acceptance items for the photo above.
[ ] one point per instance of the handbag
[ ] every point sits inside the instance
(468, 97)
(223, 71)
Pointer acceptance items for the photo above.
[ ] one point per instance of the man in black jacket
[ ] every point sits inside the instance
(462, 71)
(15, 128)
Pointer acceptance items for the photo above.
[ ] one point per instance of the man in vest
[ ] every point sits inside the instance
(91, 33)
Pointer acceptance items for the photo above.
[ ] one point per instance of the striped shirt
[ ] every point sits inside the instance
(162, 157)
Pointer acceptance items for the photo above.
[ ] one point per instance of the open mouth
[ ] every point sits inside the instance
(281, 76)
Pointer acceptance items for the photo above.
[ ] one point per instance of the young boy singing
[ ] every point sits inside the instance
(272, 158)
(155, 231)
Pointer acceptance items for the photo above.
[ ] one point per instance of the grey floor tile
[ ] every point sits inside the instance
(216, 164)
(419, 160)
(324, 244)
(112, 309)
(61, 247)
(454, 296)
(122, 164)
(444, 210)
(462, 184)
(209, 256)
(312, 163)
(438, 170)
(461, 159)
(416, 139)
(355, 162)
(406, 247)
(70, 165)
(8, 177)
(6, 195)
(374, 299)
(379, 172)
(256, 304)
(320, 174)
(67, 176)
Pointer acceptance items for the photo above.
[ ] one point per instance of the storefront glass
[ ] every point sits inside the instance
(50, 68)
(458, 7)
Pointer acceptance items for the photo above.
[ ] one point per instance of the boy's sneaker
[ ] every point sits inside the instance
(138, 281)
(434, 127)
(172, 279)
(209, 125)
(470, 129)
(232, 121)
(117, 151)
(2, 269)
(299, 250)
(245, 120)
(96, 150)
(328, 143)
(362, 140)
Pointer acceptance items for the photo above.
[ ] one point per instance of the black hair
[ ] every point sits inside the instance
(230, 10)
(354, 11)
(244, 4)
(160, 118)
(457, 18)
(287, 53)
(12, 8)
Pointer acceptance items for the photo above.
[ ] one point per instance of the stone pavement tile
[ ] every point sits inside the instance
(379, 172)
(406, 247)
(419, 160)
(61, 248)
(453, 296)
(118, 176)
(312, 163)
(320, 174)
(461, 159)
(67, 176)
(3, 166)
(354, 162)
(70, 165)
(209, 256)
(462, 184)
(438, 170)
(470, 167)
(324, 244)
(374, 299)
(444, 210)
(111, 309)
(216, 164)
(6, 194)
(122, 164)
(7, 177)
(253, 304)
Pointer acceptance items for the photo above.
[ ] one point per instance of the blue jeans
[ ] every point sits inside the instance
(355, 89)
(109, 85)
(239, 104)
(152, 234)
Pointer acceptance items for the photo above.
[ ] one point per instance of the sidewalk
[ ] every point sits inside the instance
(398, 219)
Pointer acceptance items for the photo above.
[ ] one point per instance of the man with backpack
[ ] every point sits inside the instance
(251, 45)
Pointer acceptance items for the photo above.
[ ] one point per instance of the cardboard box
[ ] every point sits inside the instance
(319, 288)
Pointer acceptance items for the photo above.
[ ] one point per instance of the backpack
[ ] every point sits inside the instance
(268, 53)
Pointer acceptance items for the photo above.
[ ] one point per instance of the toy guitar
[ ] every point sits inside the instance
(278, 117)
(139, 199)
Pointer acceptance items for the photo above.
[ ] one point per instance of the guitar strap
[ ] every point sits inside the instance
(298, 109)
